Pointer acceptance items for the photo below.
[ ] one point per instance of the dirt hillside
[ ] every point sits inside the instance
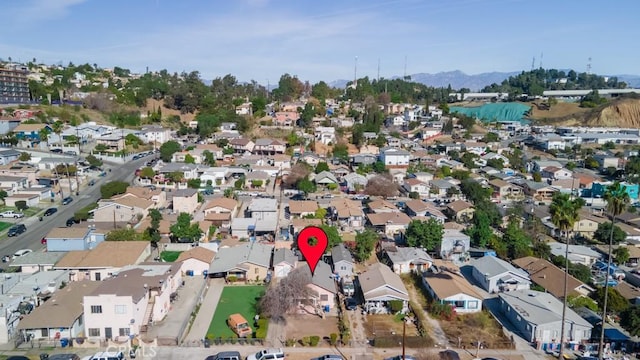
(153, 104)
(623, 113)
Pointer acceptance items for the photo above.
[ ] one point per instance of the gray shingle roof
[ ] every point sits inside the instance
(404, 254)
(322, 276)
(540, 308)
(38, 258)
(283, 255)
(341, 253)
(231, 257)
(493, 266)
(380, 283)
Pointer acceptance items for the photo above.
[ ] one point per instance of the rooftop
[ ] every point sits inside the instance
(106, 254)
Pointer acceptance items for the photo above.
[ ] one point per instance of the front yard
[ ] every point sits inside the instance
(28, 212)
(4, 225)
(236, 299)
(170, 256)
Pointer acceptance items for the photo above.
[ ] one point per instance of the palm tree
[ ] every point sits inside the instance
(57, 129)
(564, 214)
(617, 200)
(44, 135)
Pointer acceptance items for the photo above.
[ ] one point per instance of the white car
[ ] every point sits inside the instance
(20, 253)
(11, 214)
(267, 354)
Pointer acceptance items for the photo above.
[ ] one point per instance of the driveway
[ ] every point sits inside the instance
(173, 325)
(200, 325)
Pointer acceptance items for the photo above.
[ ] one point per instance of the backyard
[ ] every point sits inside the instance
(236, 299)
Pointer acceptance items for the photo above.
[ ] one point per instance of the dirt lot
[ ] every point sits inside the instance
(471, 328)
(386, 325)
(299, 326)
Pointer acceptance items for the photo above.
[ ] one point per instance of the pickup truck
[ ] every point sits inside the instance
(11, 214)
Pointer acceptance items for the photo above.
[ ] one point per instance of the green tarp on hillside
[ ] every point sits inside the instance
(494, 111)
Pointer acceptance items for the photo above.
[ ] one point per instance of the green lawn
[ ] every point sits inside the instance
(27, 212)
(234, 299)
(170, 256)
(4, 225)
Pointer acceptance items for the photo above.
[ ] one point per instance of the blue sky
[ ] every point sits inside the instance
(319, 40)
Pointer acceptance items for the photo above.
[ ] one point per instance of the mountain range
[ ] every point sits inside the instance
(458, 79)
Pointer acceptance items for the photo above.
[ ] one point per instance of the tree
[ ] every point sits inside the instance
(189, 159)
(153, 229)
(24, 156)
(320, 213)
(306, 186)
(616, 302)
(93, 161)
(481, 232)
(333, 236)
(490, 137)
(365, 244)
(43, 134)
(283, 296)
(184, 231)
(516, 240)
(125, 234)
(57, 129)
(618, 200)
(147, 172)
(298, 171)
(425, 234)
(168, 149)
(194, 183)
(564, 213)
(341, 151)
(322, 166)
(3, 196)
(621, 255)
(578, 301)
(113, 188)
(475, 192)
(603, 233)
(630, 320)
(381, 185)
(208, 158)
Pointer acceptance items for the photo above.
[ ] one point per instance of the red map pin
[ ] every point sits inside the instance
(312, 250)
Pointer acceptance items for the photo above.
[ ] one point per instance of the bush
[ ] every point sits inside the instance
(289, 342)
(395, 305)
(21, 205)
(314, 340)
(305, 341)
(261, 331)
(333, 338)
(232, 278)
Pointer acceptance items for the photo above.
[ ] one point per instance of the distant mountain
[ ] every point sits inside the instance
(458, 79)
(339, 84)
(633, 81)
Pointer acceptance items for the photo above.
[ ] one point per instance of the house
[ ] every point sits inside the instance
(419, 208)
(30, 132)
(220, 210)
(157, 196)
(31, 200)
(381, 206)
(8, 155)
(540, 192)
(362, 159)
(496, 275)
(394, 157)
(405, 260)
(325, 178)
(189, 171)
(62, 316)
(555, 173)
(37, 261)
(342, 260)
(247, 261)
(121, 210)
(124, 305)
(460, 211)
(310, 158)
(42, 192)
(72, 239)
(439, 187)
(244, 109)
(390, 223)
(454, 245)
(13, 183)
(323, 288)
(8, 124)
(413, 185)
(216, 175)
(546, 275)
(265, 213)
(104, 260)
(22, 170)
(578, 254)
(380, 286)
(448, 286)
(155, 134)
(286, 118)
(355, 182)
(297, 225)
(196, 260)
(347, 213)
(243, 228)
(504, 191)
(302, 208)
(242, 145)
(269, 147)
(325, 134)
(538, 318)
(284, 261)
(185, 201)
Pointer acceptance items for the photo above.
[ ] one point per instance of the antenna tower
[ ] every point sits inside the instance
(378, 69)
(355, 73)
(405, 68)
(541, 54)
(533, 63)
(589, 66)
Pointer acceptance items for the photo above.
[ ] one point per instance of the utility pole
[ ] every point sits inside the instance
(404, 336)
(378, 70)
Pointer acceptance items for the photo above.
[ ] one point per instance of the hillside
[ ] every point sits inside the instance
(617, 113)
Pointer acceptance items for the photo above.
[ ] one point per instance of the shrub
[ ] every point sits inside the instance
(346, 338)
(314, 340)
(232, 278)
(333, 338)
(261, 331)
(443, 311)
(289, 342)
(305, 341)
(21, 205)
(395, 305)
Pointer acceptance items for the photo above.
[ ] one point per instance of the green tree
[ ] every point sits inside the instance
(341, 151)
(113, 188)
(188, 159)
(537, 177)
(306, 186)
(630, 320)
(320, 213)
(322, 166)
(147, 173)
(621, 255)
(168, 149)
(93, 161)
(24, 156)
(491, 137)
(184, 231)
(208, 158)
(194, 183)
(3, 196)
(365, 244)
(616, 302)
(603, 233)
(425, 234)
(480, 233)
(516, 240)
(333, 236)
(578, 301)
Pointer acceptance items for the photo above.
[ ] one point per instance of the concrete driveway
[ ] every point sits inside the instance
(172, 326)
(205, 314)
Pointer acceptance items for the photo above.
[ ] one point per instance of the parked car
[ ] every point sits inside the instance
(16, 230)
(67, 200)
(63, 357)
(50, 211)
(449, 355)
(71, 221)
(239, 325)
(108, 355)
(351, 303)
(399, 357)
(328, 357)
(20, 253)
(11, 214)
(56, 151)
(225, 355)
(267, 354)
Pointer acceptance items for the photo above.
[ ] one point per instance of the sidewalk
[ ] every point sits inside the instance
(203, 319)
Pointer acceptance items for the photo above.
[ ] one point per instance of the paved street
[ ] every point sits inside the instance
(36, 229)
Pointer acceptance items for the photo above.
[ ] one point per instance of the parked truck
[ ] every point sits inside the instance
(346, 285)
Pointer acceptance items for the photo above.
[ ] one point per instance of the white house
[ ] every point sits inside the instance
(325, 134)
(343, 263)
(448, 286)
(404, 260)
(414, 185)
(154, 133)
(284, 260)
(394, 157)
(496, 275)
(196, 260)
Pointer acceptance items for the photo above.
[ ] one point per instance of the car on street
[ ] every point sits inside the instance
(67, 200)
(328, 357)
(16, 230)
(11, 214)
(92, 182)
(20, 253)
(56, 151)
(50, 211)
(71, 221)
(351, 303)
(399, 357)
(63, 357)
(225, 355)
(267, 354)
